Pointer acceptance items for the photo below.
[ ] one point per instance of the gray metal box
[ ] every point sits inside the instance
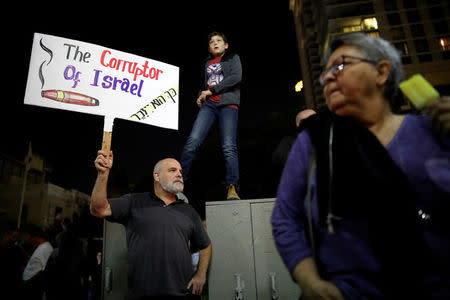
(115, 262)
(245, 263)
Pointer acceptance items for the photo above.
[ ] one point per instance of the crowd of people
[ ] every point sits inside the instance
(52, 263)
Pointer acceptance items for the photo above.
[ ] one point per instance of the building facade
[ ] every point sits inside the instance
(44, 202)
(419, 29)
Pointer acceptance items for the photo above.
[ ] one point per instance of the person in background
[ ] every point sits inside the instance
(281, 153)
(361, 209)
(13, 260)
(66, 270)
(34, 281)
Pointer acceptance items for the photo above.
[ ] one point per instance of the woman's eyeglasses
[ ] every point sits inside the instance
(339, 64)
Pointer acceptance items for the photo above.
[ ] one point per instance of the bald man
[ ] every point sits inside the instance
(304, 114)
(281, 153)
(161, 231)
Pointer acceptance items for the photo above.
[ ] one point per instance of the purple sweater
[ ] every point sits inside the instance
(425, 160)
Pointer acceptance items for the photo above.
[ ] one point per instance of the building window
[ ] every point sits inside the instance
(421, 45)
(409, 3)
(413, 16)
(352, 10)
(397, 33)
(369, 24)
(417, 30)
(444, 43)
(406, 60)
(332, 2)
(441, 27)
(425, 57)
(394, 19)
(351, 28)
(402, 47)
(390, 5)
(436, 12)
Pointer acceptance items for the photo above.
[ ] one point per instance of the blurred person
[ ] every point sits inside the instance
(361, 208)
(439, 112)
(281, 153)
(161, 231)
(302, 115)
(12, 261)
(94, 266)
(34, 281)
(66, 270)
(42, 251)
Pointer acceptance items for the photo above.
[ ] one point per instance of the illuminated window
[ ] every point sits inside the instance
(374, 34)
(351, 28)
(370, 24)
(444, 43)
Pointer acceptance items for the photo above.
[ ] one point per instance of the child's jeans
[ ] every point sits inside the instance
(228, 121)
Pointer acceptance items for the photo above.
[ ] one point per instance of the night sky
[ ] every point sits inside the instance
(263, 36)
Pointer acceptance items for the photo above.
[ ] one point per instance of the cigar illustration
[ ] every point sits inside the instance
(70, 97)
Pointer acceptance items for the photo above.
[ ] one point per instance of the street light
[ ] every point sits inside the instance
(299, 86)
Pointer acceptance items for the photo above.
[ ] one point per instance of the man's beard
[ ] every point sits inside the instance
(173, 187)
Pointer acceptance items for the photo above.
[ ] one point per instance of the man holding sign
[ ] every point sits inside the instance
(161, 232)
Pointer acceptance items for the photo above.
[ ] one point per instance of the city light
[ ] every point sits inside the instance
(299, 86)
(444, 44)
(370, 24)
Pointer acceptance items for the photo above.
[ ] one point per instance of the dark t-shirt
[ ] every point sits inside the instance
(159, 238)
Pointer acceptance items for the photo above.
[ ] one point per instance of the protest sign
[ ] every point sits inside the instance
(77, 76)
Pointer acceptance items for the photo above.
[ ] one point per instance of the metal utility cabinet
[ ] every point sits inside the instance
(115, 262)
(245, 263)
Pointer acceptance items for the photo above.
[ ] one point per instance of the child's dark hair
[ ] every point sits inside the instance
(214, 33)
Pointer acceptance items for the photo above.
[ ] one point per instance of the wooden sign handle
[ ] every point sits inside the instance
(106, 143)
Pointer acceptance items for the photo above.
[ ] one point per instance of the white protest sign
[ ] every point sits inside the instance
(83, 77)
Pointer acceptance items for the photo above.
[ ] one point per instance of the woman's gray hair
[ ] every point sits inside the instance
(374, 49)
